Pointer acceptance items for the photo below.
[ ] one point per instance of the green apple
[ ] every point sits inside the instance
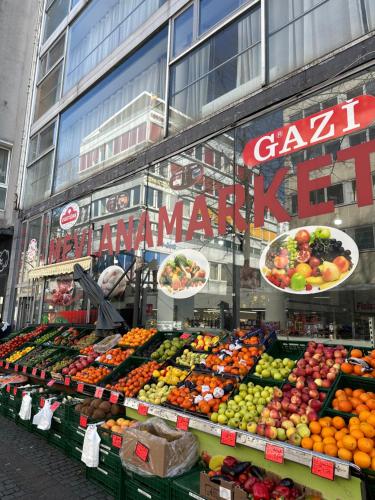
(214, 417)
(222, 419)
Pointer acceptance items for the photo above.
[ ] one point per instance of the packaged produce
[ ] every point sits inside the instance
(18, 354)
(137, 337)
(107, 343)
(92, 374)
(131, 383)
(115, 356)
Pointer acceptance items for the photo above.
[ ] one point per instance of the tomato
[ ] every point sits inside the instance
(303, 256)
(302, 236)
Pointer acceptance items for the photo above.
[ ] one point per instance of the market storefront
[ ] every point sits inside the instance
(220, 203)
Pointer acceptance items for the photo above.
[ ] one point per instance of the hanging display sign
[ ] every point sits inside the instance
(69, 216)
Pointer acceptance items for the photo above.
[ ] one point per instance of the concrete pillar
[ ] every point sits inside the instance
(275, 308)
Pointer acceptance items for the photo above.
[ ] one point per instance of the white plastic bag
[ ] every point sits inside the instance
(44, 416)
(90, 449)
(25, 410)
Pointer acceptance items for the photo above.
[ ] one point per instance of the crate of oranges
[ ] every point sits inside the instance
(137, 337)
(92, 374)
(201, 393)
(361, 363)
(351, 396)
(136, 374)
(115, 357)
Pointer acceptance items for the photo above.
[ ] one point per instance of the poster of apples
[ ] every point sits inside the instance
(61, 292)
(309, 260)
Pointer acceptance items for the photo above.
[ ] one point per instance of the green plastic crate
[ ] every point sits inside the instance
(57, 439)
(108, 460)
(74, 451)
(152, 487)
(292, 349)
(138, 491)
(74, 434)
(186, 487)
(111, 483)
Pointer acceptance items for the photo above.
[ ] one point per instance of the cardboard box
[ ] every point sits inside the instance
(225, 490)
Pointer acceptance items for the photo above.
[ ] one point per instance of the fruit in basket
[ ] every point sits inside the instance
(205, 342)
(18, 354)
(137, 337)
(131, 383)
(99, 409)
(92, 374)
(269, 367)
(190, 359)
(360, 364)
(168, 349)
(16, 342)
(155, 393)
(118, 425)
(170, 375)
(238, 362)
(115, 356)
(77, 365)
(353, 401)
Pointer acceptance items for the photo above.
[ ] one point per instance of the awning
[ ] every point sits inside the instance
(59, 268)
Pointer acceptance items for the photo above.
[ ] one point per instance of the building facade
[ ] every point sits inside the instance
(162, 129)
(18, 43)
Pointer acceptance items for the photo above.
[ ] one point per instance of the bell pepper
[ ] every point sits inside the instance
(248, 486)
(261, 492)
(230, 461)
(281, 492)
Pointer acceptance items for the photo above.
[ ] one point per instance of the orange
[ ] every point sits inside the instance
(372, 454)
(345, 406)
(329, 440)
(315, 427)
(331, 450)
(364, 415)
(361, 408)
(354, 420)
(307, 443)
(338, 422)
(325, 421)
(339, 435)
(304, 269)
(367, 429)
(358, 392)
(328, 432)
(348, 391)
(371, 405)
(365, 396)
(345, 454)
(340, 444)
(316, 438)
(356, 433)
(371, 420)
(349, 442)
(373, 463)
(355, 402)
(365, 444)
(347, 368)
(362, 459)
(318, 447)
(356, 353)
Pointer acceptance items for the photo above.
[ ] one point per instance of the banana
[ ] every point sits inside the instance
(315, 280)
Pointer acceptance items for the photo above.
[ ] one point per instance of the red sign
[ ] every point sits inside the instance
(141, 451)
(8, 388)
(99, 392)
(274, 453)
(55, 405)
(185, 336)
(33, 371)
(14, 391)
(16, 368)
(1, 363)
(323, 468)
(24, 369)
(43, 374)
(7, 366)
(80, 387)
(50, 383)
(326, 125)
(67, 381)
(41, 402)
(142, 409)
(182, 423)
(113, 398)
(83, 421)
(116, 440)
(69, 216)
(228, 437)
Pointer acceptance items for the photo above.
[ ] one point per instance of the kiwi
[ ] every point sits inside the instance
(87, 401)
(105, 406)
(98, 414)
(115, 410)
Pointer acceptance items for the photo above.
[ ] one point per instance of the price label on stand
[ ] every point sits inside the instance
(185, 336)
(51, 382)
(7, 366)
(113, 398)
(323, 468)
(16, 368)
(116, 441)
(228, 437)
(142, 409)
(8, 388)
(182, 423)
(83, 421)
(55, 405)
(1, 363)
(24, 369)
(33, 371)
(41, 402)
(43, 374)
(99, 392)
(14, 391)
(141, 451)
(274, 453)
(80, 387)
(67, 381)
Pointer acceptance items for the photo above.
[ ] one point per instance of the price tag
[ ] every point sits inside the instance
(185, 336)
(51, 382)
(323, 468)
(99, 392)
(83, 421)
(24, 393)
(14, 391)
(228, 437)
(142, 409)
(141, 451)
(116, 441)
(8, 388)
(274, 453)
(16, 368)
(7, 366)
(41, 402)
(33, 371)
(67, 381)
(182, 423)
(24, 369)
(43, 374)
(80, 387)
(1, 363)
(113, 398)
(55, 405)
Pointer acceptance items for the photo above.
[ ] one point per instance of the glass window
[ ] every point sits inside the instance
(355, 139)
(336, 194)
(50, 58)
(301, 30)
(101, 28)
(218, 72)
(4, 159)
(122, 114)
(317, 196)
(41, 142)
(183, 31)
(55, 14)
(38, 181)
(212, 11)
(48, 92)
(364, 237)
(3, 194)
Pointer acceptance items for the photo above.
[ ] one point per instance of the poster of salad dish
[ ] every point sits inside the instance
(183, 274)
(309, 259)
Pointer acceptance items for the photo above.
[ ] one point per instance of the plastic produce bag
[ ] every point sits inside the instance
(153, 448)
(106, 344)
(25, 410)
(90, 450)
(44, 416)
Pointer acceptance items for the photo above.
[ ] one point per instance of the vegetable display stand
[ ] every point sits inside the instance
(112, 483)
(186, 487)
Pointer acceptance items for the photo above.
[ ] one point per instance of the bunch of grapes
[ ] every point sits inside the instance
(291, 245)
(329, 249)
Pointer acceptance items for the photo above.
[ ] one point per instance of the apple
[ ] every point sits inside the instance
(342, 263)
(261, 429)
(271, 432)
(330, 271)
(281, 434)
(295, 439)
(287, 424)
(295, 418)
(303, 430)
(252, 427)
(290, 432)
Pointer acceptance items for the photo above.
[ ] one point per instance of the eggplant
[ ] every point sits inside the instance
(241, 467)
(222, 477)
(256, 472)
(228, 388)
(287, 482)
(226, 469)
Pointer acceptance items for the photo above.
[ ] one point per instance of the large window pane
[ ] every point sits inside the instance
(301, 30)
(55, 14)
(38, 181)
(364, 237)
(51, 57)
(212, 11)
(101, 28)
(220, 71)
(48, 92)
(183, 31)
(4, 155)
(3, 194)
(41, 142)
(122, 114)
